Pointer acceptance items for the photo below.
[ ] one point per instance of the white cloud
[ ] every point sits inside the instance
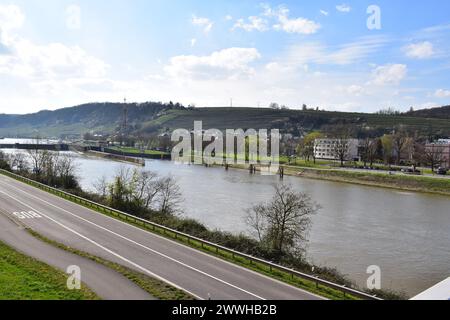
(51, 61)
(41, 70)
(228, 18)
(325, 13)
(355, 90)
(345, 54)
(193, 42)
(73, 17)
(205, 23)
(297, 25)
(285, 69)
(11, 18)
(290, 25)
(441, 93)
(254, 23)
(420, 50)
(343, 8)
(389, 74)
(229, 63)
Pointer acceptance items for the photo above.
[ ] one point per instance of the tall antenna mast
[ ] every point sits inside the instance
(124, 117)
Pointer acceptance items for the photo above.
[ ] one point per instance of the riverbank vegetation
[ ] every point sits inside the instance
(376, 179)
(24, 278)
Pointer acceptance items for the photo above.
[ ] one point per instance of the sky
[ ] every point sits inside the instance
(350, 56)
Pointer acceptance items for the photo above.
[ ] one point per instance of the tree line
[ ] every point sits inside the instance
(397, 148)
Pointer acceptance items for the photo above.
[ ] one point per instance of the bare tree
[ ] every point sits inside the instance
(17, 161)
(284, 222)
(66, 169)
(39, 160)
(256, 221)
(433, 156)
(146, 187)
(399, 143)
(369, 151)
(169, 196)
(340, 149)
(101, 187)
(138, 190)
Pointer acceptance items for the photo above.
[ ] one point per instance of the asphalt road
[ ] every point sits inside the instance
(106, 283)
(197, 273)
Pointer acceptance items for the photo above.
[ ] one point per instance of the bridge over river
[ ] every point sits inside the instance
(33, 146)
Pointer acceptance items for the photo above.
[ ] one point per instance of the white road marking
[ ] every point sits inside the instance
(141, 245)
(26, 215)
(104, 248)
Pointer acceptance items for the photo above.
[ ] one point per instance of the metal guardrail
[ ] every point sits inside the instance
(153, 226)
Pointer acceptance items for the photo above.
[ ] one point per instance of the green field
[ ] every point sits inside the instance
(138, 151)
(397, 181)
(24, 278)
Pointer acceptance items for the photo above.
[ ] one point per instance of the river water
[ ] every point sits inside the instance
(406, 234)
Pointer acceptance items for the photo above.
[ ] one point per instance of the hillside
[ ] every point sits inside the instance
(149, 118)
(74, 121)
(439, 113)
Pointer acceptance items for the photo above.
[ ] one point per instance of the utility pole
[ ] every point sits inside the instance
(124, 119)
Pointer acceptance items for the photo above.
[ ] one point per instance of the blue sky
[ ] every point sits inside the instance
(56, 53)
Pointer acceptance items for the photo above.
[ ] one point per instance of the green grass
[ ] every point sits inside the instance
(156, 288)
(396, 181)
(24, 278)
(137, 151)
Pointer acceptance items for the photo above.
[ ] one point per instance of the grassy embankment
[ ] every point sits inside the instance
(376, 179)
(138, 151)
(24, 278)
(156, 288)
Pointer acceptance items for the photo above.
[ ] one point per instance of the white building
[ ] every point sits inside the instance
(326, 149)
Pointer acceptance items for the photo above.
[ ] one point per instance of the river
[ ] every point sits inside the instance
(406, 234)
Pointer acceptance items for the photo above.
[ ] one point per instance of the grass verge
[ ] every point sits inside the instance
(156, 288)
(25, 278)
(397, 181)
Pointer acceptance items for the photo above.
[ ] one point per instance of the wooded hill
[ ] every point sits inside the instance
(150, 118)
